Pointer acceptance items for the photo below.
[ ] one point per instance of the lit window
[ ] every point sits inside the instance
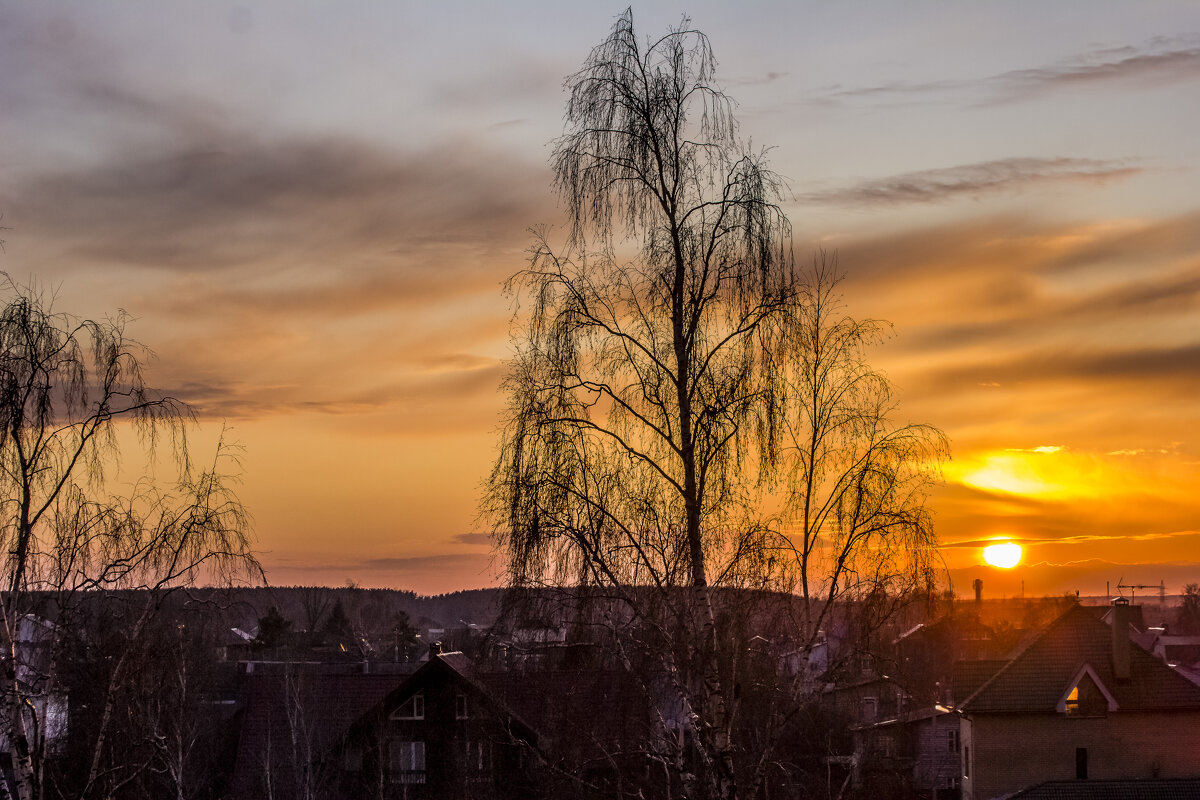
(1085, 700)
(412, 708)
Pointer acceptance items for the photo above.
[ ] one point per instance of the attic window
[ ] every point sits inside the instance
(1086, 700)
(1087, 696)
(412, 708)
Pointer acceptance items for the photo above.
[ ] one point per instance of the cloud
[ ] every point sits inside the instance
(1016, 279)
(426, 575)
(234, 200)
(1075, 538)
(281, 273)
(757, 80)
(1158, 62)
(1151, 66)
(972, 180)
(1157, 370)
(474, 538)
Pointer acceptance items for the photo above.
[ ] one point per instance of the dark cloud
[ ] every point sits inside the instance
(1000, 279)
(474, 538)
(1154, 370)
(238, 200)
(430, 400)
(424, 574)
(949, 183)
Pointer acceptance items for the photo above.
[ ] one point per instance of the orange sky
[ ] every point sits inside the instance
(310, 209)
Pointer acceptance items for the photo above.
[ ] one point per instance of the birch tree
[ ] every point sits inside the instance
(69, 389)
(650, 447)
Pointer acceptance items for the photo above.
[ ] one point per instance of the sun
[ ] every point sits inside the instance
(1005, 556)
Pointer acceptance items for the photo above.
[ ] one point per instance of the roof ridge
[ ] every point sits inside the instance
(1019, 654)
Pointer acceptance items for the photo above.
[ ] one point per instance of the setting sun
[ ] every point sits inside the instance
(1004, 556)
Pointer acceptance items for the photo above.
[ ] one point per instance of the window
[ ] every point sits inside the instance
(460, 706)
(1081, 763)
(952, 741)
(869, 705)
(967, 761)
(406, 762)
(476, 758)
(412, 708)
(1085, 700)
(883, 745)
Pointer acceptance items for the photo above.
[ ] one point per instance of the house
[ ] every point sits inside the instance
(1167, 789)
(1079, 702)
(441, 733)
(915, 754)
(293, 721)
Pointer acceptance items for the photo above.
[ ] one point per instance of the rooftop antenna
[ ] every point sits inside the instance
(1133, 587)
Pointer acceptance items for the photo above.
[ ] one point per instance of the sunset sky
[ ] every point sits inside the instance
(309, 208)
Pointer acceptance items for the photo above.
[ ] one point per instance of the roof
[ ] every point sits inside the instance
(315, 706)
(920, 715)
(456, 666)
(1175, 789)
(967, 676)
(1036, 679)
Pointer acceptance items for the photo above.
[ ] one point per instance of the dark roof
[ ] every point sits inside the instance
(967, 676)
(315, 706)
(1036, 679)
(920, 715)
(457, 667)
(1174, 789)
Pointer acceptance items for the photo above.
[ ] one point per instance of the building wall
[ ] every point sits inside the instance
(1012, 751)
(937, 756)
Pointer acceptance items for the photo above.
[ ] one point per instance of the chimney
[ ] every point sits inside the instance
(1120, 638)
(978, 591)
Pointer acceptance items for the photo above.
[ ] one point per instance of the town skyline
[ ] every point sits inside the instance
(310, 212)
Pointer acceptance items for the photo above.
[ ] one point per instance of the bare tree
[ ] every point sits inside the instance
(68, 390)
(670, 368)
(648, 368)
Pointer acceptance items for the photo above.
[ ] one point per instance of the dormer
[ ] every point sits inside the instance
(1086, 696)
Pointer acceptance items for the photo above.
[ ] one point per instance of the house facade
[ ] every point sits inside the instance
(1080, 702)
(440, 734)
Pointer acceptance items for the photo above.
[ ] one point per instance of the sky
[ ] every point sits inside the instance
(309, 210)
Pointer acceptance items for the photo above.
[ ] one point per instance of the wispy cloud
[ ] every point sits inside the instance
(1160, 61)
(971, 180)
(1075, 538)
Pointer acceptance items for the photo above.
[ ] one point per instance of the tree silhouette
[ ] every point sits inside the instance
(670, 368)
(273, 629)
(66, 388)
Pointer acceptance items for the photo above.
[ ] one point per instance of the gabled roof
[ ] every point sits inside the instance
(967, 676)
(283, 706)
(1168, 789)
(455, 666)
(1036, 678)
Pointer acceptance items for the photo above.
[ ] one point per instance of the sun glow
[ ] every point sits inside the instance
(1005, 556)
